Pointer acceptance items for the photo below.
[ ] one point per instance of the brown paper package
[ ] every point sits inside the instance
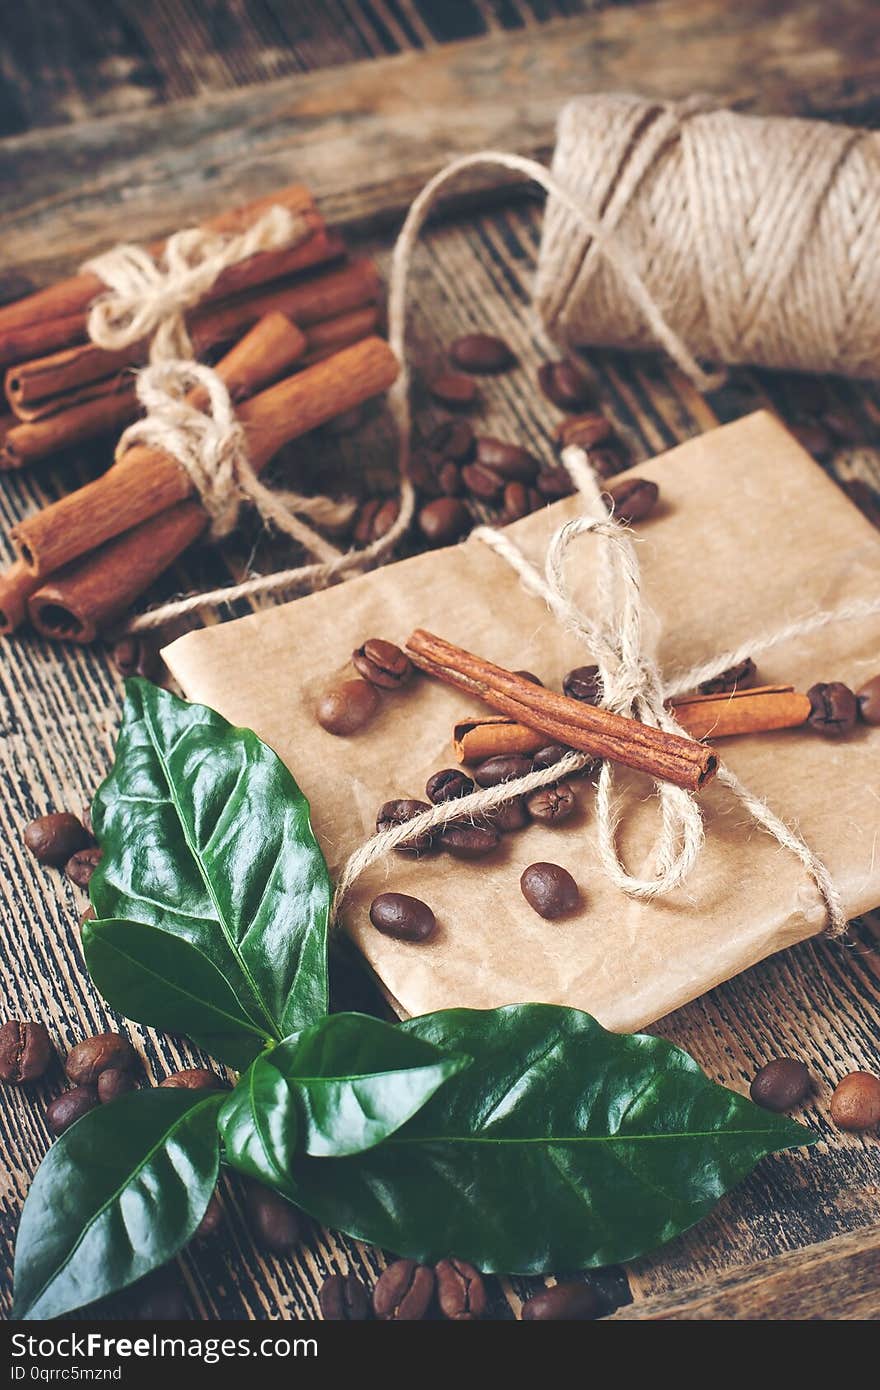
(750, 534)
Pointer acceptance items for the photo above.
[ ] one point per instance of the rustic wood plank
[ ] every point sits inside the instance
(835, 1280)
(366, 136)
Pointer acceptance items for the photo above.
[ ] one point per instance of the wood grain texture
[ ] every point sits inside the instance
(59, 711)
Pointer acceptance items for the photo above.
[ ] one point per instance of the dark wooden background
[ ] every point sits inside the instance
(114, 115)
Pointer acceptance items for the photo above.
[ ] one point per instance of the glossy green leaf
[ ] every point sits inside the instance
(116, 1196)
(260, 1127)
(560, 1147)
(206, 837)
(160, 979)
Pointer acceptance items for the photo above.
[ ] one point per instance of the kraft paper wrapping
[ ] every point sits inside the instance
(750, 534)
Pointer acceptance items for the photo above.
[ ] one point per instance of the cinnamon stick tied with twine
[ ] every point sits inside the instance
(664, 756)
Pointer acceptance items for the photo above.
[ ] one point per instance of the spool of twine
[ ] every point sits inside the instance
(755, 237)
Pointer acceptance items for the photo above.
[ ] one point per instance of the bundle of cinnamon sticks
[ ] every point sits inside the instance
(298, 326)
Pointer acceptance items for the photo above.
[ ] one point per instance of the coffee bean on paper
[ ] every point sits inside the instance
(193, 1079)
(25, 1051)
(738, 677)
(464, 840)
(481, 352)
(347, 708)
(453, 439)
(461, 1292)
(504, 767)
(447, 785)
(69, 1107)
(403, 917)
(454, 389)
(393, 813)
(212, 1221)
(563, 385)
(855, 1104)
(80, 866)
(449, 479)
(586, 431)
(868, 699)
(549, 889)
(781, 1084)
(482, 483)
(583, 683)
(509, 816)
(444, 521)
(530, 677)
(554, 484)
(563, 1303)
(382, 663)
(403, 1292)
(54, 838)
(633, 500)
(137, 656)
(343, 1298)
(833, 708)
(274, 1223)
(549, 805)
(511, 462)
(115, 1082)
(86, 1061)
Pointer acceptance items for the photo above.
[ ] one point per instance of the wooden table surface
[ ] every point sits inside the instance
(121, 120)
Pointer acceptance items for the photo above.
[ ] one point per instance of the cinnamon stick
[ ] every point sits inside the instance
(111, 409)
(16, 586)
(72, 297)
(664, 756)
(88, 595)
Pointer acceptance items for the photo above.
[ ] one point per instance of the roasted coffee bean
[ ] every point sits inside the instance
(161, 1297)
(385, 518)
(509, 461)
(343, 1298)
(447, 785)
(833, 708)
(480, 352)
(461, 1292)
(633, 500)
(509, 816)
(482, 483)
(464, 840)
(563, 1303)
(812, 436)
(529, 676)
(212, 1221)
(382, 663)
(421, 475)
(551, 804)
(502, 768)
(564, 385)
(275, 1223)
(403, 917)
(515, 504)
(738, 677)
(115, 1082)
(398, 812)
(781, 1084)
(454, 389)
(86, 1061)
(607, 462)
(366, 515)
(453, 439)
(549, 889)
(449, 479)
(346, 422)
(347, 708)
(403, 1292)
(583, 683)
(549, 756)
(444, 521)
(25, 1051)
(54, 838)
(69, 1107)
(868, 699)
(855, 1104)
(137, 656)
(80, 866)
(554, 484)
(586, 431)
(193, 1079)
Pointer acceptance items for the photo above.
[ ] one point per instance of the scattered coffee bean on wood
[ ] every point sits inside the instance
(403, 1292)
(450, 480)
(509, 816)
(738, 677)
(482, 482)
(504, 767)
(583, 683)
(212, 1222)
(115, 1082)
(453, 439)
(69, 1107)
(812, 436)
(444, 521)
(137, 656)
(464, 840)
(481, 353)
(25, 1051)
(563, 1303)
(161, 1297)
(274, 1222)
(564, 386)
(781, 1084)
(554, 483)
(454, 389)
(447, 785)
(54, 838)
(461, 1292)
(363, 526)
(516, 502)
(343, 1298)
(402, 917)
(86, 1061)
(385, 518)
(550, 805)
(868, 699)
(833, 708)
(855, 1104)
(393, 813)
(586, 431)
(382, 664)
(510, 461)
(347, 708)
(633, 500)
(80, 866)
(549, 889)
(606, 462)
(194, 1079)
